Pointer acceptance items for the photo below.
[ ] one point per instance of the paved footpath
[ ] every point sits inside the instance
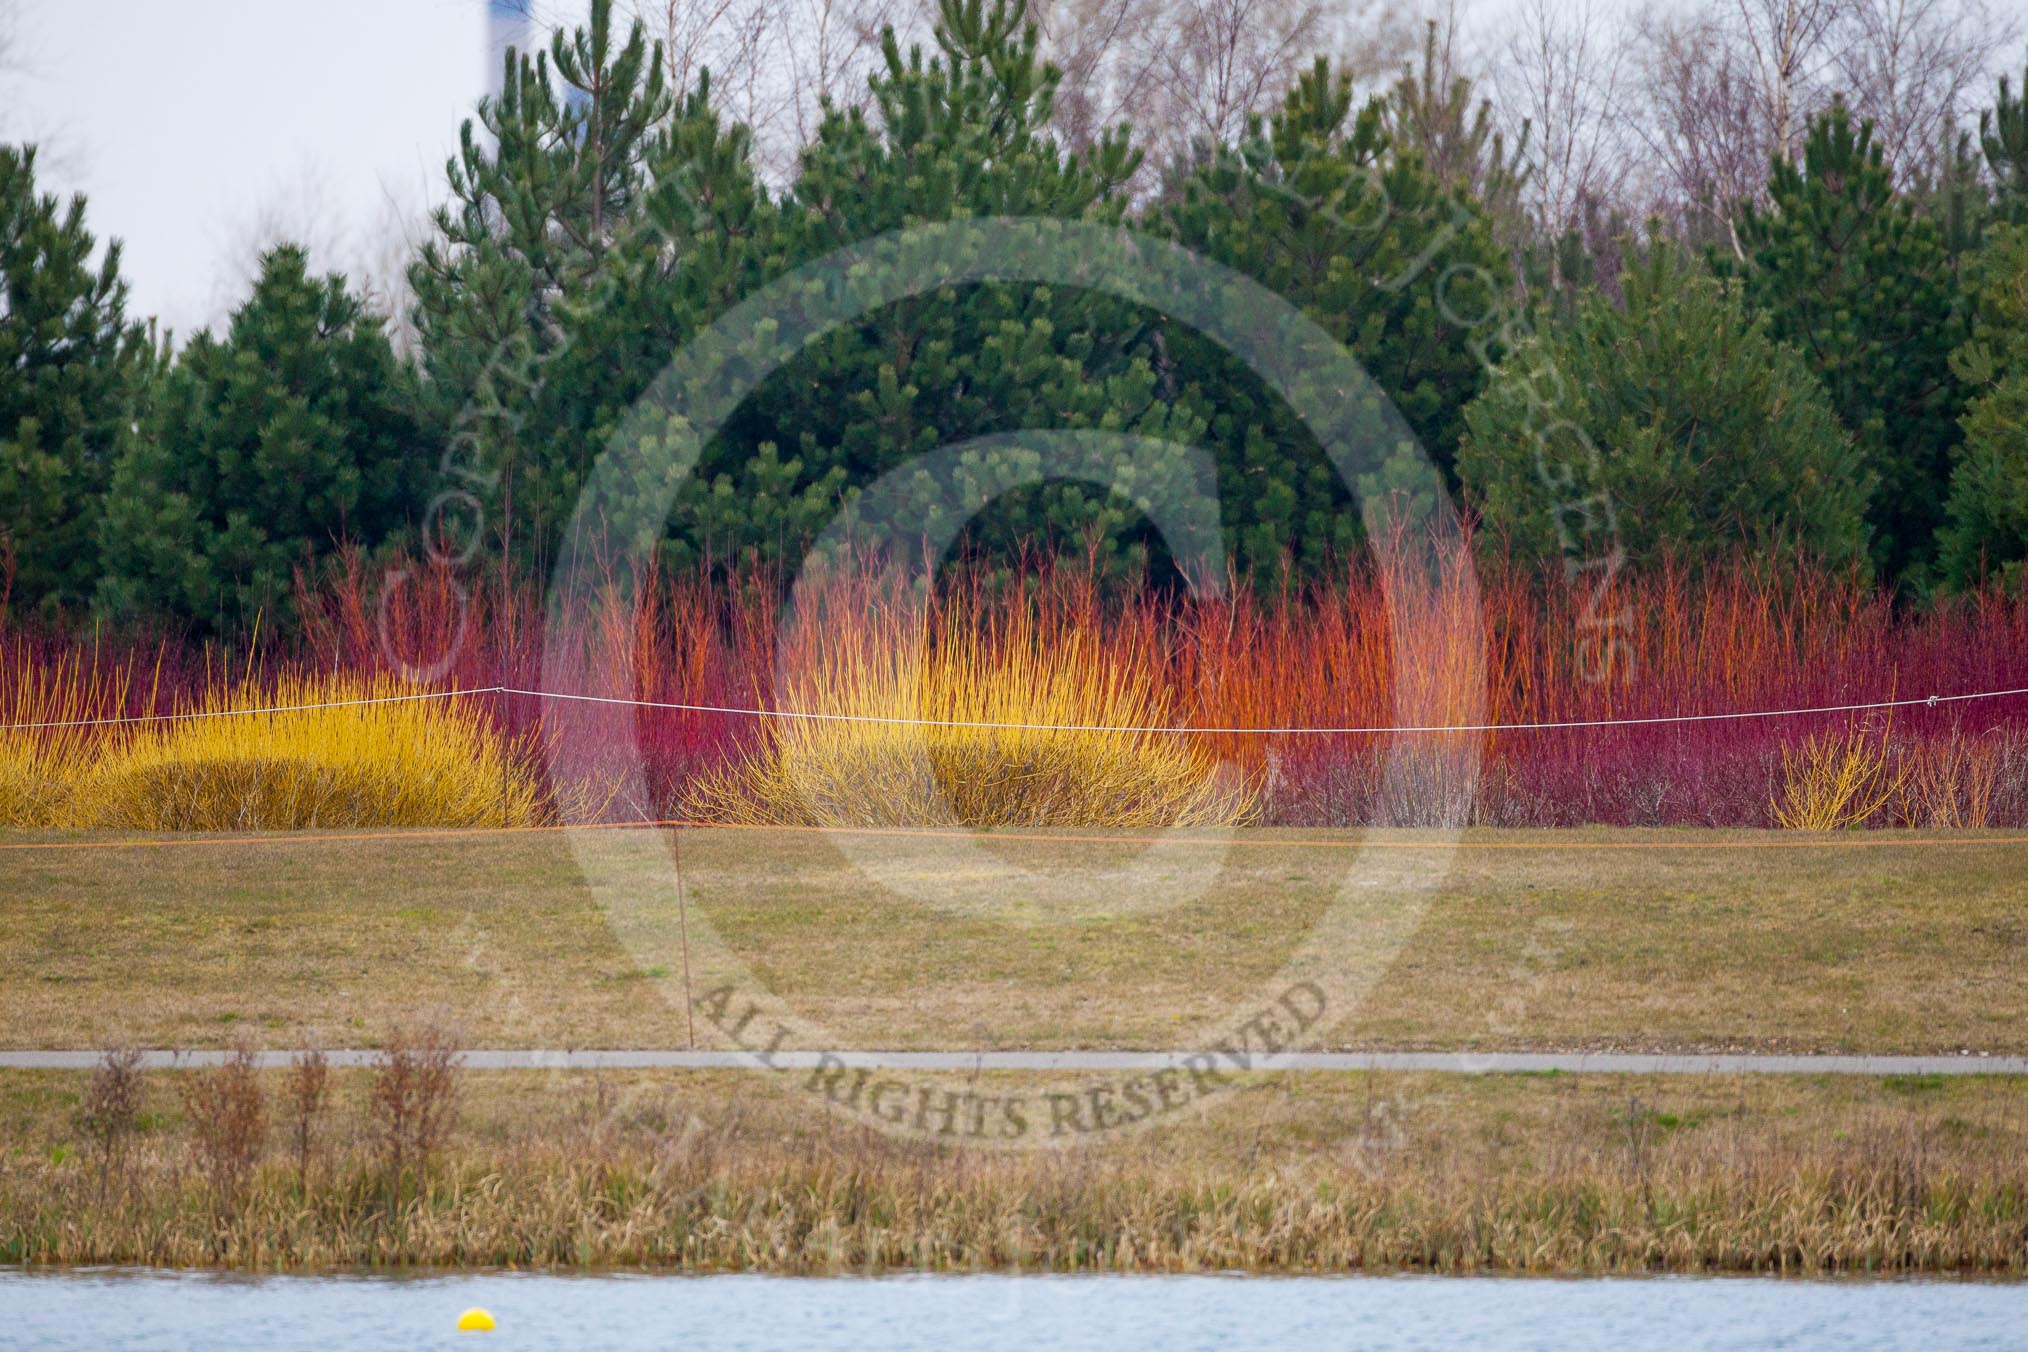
(1466, 1063)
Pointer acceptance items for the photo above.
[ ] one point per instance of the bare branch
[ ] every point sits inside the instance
(1566, 72)
(1917, 70)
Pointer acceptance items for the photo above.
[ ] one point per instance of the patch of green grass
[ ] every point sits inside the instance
(655, 973)
(1913, 1086)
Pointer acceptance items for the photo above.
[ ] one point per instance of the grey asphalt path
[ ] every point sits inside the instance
(1464, 1063)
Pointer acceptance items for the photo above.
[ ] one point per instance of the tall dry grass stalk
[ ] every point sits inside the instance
(307, 1094)
(110, 1108)
(415, 1096)
(1883, 1194)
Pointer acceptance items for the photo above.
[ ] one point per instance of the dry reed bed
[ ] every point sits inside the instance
(572, 1172)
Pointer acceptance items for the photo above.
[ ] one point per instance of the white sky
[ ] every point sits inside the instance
(185, 121)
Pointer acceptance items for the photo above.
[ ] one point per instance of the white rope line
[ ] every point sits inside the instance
(1927, 701)
(737, 711)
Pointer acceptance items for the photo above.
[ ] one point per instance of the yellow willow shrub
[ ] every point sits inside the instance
(36, 763)
(433, 762)
(839, 773)
(1836, 781)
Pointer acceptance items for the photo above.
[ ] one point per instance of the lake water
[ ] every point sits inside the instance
(125, 1310)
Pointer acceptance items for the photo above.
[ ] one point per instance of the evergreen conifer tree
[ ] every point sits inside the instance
(540, 192)
(1322, 207)
(72, 371)
(1864, 286)
(294, 434)
(1709, 437)
(1987, 530)
(960, 132)
(2003, 137)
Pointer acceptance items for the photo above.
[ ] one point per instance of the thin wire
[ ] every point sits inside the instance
(736, 711)
(1928, 701)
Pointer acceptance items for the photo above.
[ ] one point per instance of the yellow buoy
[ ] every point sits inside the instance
(475, 1320)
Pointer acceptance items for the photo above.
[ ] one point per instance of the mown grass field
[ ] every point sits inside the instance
(1669, 940)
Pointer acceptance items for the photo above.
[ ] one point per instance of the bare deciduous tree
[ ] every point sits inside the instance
(833, 49)
(745, 45)
(1726, 89)
(1699, 124)
(1565, 77)
(1108, 57)
(1189, 73)
(1791, 48)
(1225, 59)
(1917, 70)
(1181, 73)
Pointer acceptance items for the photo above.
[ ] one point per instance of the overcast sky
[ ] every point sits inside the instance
(199, 128)
(187, 123)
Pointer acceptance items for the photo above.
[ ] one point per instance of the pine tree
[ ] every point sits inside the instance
(2003, 137)
(1321, 206)
(960, 132)
(523, 248)
(1711, 438)
(72, 370)
(265, 451)
(1458, 141)
(701, 235)
(1987, 530)
(1864, 286)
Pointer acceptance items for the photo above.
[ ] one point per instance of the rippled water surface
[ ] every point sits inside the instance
(123, 1310)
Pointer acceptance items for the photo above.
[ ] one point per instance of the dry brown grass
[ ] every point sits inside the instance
(1885, 949)
(1297, 1173)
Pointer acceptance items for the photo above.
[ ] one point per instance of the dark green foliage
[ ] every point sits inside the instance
(527, 257)
(1456, 139)
(1710, 438)
(598, 225)
(1864, 286)
(1319, 206)
(1987, 532)
(71, 374)
(1953, 194)
(2003, 136)
(294, 434)
(954, 134)
(538, 368)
